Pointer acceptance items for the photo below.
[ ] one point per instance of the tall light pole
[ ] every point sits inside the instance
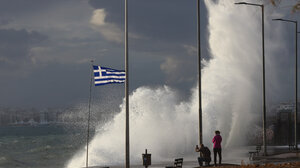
(199, 73)
(296, 74)
(263, 63)
(127, 155)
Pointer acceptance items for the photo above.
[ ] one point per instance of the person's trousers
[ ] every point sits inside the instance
(219, 152)
(201, 160)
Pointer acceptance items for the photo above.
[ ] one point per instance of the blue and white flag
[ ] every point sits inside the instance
(104, 75)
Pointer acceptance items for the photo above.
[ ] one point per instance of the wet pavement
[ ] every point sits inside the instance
(238, 156)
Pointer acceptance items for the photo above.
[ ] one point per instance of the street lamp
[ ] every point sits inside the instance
(263, 63)
(296, 73)
(127, 138)
(199, 76)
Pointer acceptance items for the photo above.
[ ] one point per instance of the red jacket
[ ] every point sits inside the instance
(217, 141)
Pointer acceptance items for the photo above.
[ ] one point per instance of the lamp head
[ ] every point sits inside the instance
(240, 3)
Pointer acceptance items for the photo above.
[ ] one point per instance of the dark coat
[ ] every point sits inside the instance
(205, 152)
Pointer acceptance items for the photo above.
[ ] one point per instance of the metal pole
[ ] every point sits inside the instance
(296, 76)
(264, 86)
(199, 71)
(89, 117)
(127, 156)
(263, 55)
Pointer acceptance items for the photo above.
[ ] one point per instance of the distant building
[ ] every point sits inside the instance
(284, 125)
(286, 107)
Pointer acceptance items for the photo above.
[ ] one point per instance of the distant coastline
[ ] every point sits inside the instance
(34, 117)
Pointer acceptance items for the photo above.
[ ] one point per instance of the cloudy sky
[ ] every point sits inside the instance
(46, 47)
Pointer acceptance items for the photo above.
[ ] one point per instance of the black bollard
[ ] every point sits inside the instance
(146, 159)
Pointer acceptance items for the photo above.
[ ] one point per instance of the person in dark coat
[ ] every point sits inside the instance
(204, 155)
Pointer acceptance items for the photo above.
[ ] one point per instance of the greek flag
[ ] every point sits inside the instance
(104, 75)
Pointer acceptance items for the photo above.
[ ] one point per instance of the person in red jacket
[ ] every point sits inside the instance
(217, 147)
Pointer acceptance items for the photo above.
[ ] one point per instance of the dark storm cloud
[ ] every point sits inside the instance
(61, 41)
(15, 46)
(166, 20)
(22, 7)
(164, 28)
(4, 21)
(161, 24)
(51, 86)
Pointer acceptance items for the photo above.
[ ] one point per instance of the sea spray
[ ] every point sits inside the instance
(232, 82)
(157, 122)
(233, 78)
(232, 98)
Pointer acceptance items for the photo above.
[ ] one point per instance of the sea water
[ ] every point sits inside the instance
(40, 146)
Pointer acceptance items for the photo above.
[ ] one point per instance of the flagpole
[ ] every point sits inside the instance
(89, 117)
(127, 157)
